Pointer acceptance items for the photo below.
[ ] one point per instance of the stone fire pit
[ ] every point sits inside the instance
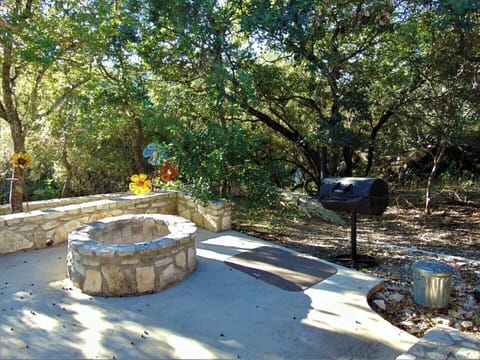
(131, 254)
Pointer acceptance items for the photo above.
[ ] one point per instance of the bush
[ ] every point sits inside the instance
(219, 162)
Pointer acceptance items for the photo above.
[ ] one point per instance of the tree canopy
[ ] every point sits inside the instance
(244, 95)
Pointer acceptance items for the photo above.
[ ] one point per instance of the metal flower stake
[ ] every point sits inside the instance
(158, 157)
(20, 161)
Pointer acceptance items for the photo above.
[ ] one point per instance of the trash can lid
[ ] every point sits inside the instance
(432, 267)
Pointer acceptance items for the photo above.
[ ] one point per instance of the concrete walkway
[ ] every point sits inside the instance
(218, 312)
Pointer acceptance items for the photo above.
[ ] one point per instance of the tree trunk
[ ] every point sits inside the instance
(315, 160)
(369, 160)
(373, 137)
(347, 158)
(313, 157)
(437, 158)
(9, 113)
(137, 145)
(17, 189)
(323, 165)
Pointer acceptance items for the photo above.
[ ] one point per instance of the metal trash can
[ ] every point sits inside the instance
(432, 282)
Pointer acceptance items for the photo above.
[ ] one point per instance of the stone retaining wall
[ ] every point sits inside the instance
(50, 226)
(43, 204)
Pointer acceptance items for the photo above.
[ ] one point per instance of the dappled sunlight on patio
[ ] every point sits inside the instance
(218, 312)
(188, 348)
(39, 320)
(92, 325)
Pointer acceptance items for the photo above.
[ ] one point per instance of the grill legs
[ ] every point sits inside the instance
(354, 260)
(353, 238)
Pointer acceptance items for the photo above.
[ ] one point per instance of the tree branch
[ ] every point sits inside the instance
(272, 124)
(3, 113)
(107, 75)
(61, 99)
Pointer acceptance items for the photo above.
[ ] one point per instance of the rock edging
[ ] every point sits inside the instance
(442, 343)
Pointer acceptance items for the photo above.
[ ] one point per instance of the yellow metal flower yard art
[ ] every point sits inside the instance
(140, 185)
(21, 159)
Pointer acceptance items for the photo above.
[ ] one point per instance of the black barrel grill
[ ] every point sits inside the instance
(356, 195)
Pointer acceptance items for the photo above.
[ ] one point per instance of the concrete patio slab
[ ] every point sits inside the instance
(218, 312)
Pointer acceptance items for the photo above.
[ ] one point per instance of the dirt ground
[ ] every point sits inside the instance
(396, 240)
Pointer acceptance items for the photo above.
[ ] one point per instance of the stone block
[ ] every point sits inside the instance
(142, 206)
(83, 219)
(130, 261)
(79, 269)
(27, 227)
(149, 229)
(135, 239)
(106, 252)
(226, 223)
(120, 281)
(167, 276)
(210, 223)
(39, 239)
(11, 242)
(93, 282)
(108, 238)
(147, 251)
(181, 259)
(145, 277)
(199, 220)
(192, 259)
(201, 210)
(163, 262)
(50, 234)
(11, 221)
(127, 250)
(72, 211)
(117, 236)
(185, 213)
(126, 233)
(86, 250)
(99, 216)
(102, 206)
(90, 261)
(61, 233)
(87, 209)
(31, 217)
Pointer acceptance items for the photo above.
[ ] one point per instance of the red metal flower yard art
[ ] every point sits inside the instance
(168, 172)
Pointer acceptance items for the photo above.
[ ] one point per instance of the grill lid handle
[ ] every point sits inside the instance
(342, 188)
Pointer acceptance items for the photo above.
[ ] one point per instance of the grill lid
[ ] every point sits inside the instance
(360, 194)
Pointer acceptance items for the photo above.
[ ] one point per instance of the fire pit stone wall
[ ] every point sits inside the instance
(131, 254)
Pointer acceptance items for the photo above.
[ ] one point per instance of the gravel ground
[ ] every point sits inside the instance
(396, 240)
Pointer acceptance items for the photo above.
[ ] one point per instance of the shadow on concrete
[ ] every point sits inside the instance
(218, 312)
